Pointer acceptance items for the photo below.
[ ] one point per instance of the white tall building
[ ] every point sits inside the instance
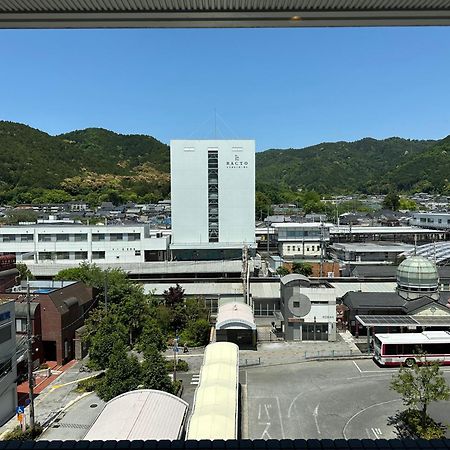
(213, 198)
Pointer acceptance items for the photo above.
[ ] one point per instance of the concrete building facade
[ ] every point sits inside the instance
(8, 365)
(213, 198)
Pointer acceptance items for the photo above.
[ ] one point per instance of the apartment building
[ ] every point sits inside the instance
(8, 366)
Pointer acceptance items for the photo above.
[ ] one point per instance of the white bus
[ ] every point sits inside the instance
(395, 349)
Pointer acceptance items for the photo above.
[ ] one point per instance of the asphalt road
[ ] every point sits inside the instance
(325, 399)
(76, 421)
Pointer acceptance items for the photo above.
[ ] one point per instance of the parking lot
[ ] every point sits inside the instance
(324, 399)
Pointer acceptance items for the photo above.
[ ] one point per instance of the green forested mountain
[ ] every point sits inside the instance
(99, 165)
(96, 164)
(366, 166)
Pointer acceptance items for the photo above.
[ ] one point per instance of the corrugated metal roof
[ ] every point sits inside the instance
(220, 13)
(343, 288)
(218, 5)
(140, 415)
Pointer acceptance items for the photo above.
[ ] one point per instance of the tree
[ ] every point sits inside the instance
(20, 215)
(419, 386)
(123, 374)
(391, 201)
(196, 333)
(302, 268)
(103, 331)
(154, 371)
(282, 271)
(173, 296)
(151, 336)
(24, 271)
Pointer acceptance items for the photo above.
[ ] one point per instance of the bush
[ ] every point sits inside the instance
(182, 366)
(18, 435)
(177, 387)
(90, 384)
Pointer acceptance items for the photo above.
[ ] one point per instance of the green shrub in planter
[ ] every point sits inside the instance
(18, 435)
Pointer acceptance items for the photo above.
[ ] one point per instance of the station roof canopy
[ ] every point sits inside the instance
(220, 13)
(403, 321)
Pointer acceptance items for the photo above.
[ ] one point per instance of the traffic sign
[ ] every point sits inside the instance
(20, 409)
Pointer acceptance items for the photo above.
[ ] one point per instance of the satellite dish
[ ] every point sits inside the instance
(299, 305)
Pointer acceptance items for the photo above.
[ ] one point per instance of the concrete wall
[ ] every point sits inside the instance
(8, 371)
(189, 191)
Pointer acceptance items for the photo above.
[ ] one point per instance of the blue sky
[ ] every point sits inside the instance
(282, 87)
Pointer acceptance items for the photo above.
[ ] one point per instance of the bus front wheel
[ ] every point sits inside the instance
(410, 362)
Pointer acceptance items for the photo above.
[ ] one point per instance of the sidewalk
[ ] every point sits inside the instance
(274, 353)
(57, 393)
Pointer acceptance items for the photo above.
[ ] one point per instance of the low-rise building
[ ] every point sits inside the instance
(58, 309)
(438, 220)
(72, 244)
(308, 309)
(368, 252)
(302, 240)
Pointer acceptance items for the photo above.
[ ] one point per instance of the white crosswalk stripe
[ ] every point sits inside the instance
(195, 379)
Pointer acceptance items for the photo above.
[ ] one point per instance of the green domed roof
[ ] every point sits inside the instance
(417, 273)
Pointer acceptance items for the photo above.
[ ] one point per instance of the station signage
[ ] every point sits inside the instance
(237, 163)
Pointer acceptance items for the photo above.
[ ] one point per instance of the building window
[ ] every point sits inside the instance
(213, 195)
(423, 220)
(62, 255)
(98, 255)
(26, 237)
(137, 253)
(134, 236)
(80, 237)
(80, 255)
(21, 325)
(43, 256)
(9, 238)
(98, 237)
(45, 238)
(116, 237)
(62, 237)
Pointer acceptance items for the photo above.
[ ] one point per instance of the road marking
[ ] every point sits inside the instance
(293, 402)
(371, 371)
(365, 409)
(356, 365)
(369, 376)
(57, 386)
(316, 414)
(266, 408)
(377, 432)
(265, 432)
(279, 415)
(259, 411)
(195, 379)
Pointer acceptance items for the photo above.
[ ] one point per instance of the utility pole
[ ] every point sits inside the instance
(106, 291)
(30, 357)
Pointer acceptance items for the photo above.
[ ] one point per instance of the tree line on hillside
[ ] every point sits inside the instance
(97, 165)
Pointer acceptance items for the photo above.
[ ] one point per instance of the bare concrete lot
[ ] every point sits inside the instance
(324, 399)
